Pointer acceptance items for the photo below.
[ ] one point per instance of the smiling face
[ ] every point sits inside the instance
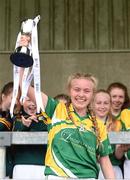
(101, 104)
(117, 98)
(81, 92)
(29, 106)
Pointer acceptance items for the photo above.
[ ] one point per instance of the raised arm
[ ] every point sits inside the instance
(24, 41)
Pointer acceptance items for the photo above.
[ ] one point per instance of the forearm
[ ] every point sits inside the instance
(107, 168)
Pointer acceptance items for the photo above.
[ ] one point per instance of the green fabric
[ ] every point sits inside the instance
(9, 162)
(3, 127)
(114, 160)
(51, 105)
(29, 154)
(72, 150)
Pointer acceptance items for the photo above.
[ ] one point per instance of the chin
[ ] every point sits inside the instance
(81, 107)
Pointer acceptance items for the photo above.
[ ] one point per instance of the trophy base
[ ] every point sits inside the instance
(21, 59)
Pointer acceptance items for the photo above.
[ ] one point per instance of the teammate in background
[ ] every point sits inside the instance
(5, 102)
(6, 123)
(29, 160)
(101, 106)
(119, 98)
(125, 148)
(63, 98)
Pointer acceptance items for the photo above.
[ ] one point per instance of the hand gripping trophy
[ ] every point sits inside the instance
(26, 55)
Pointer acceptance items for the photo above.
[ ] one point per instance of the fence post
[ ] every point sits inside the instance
(5, 140)
(2, 162)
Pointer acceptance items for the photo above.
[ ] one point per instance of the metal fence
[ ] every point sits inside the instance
(22, 138)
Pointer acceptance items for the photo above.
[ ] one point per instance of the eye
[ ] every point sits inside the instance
(76, 89)
(106, 103)
(98, 102)
(121, 97)
(87, 90)
(114, 96)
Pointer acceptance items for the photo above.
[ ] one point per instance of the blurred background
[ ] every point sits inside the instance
(91, 36)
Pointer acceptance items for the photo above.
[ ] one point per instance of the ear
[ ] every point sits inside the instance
(3, 97)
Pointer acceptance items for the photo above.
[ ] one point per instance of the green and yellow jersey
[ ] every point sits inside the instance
(5, 121)
(125, 118)
(72, 145)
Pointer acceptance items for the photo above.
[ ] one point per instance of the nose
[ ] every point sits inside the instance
(81, 93)
(102, 106)
(117, 99)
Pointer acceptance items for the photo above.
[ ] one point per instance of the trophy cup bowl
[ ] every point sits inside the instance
(22, 57)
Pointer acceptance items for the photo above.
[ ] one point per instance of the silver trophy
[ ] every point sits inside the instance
(26, 55)
(22, 56)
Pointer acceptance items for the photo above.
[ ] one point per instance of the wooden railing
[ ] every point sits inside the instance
(16, 138)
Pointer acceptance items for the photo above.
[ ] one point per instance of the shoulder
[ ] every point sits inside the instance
(125, 118)
(124, 111)
(125, 114)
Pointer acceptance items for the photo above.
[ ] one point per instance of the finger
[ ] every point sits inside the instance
(34, 118)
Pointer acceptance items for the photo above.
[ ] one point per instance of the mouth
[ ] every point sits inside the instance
(32, 108)
(117, 104)
(80, 100)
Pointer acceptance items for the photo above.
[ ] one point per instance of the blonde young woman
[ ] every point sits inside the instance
(75, 137)
(101, 106)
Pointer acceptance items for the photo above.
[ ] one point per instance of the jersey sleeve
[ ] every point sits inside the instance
(125, 118)
(51, 105)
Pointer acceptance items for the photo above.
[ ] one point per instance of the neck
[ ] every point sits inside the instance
(81, 112)
(102, 118)
(115, 112)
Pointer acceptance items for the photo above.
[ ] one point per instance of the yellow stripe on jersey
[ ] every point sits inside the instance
(6, 123)
(49, 155)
